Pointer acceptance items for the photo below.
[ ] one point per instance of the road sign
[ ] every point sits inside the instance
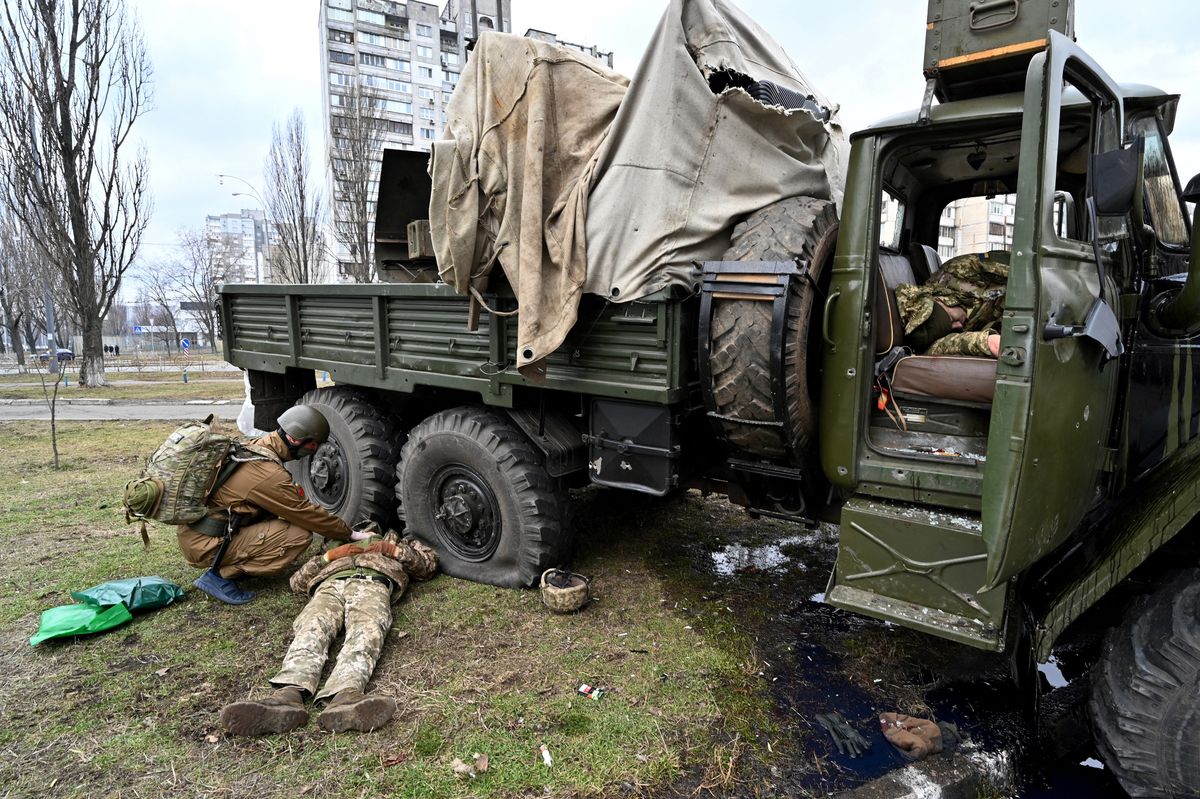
(185, 343)
(138, 329)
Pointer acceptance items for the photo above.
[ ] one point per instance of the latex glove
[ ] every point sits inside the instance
(364, 530)
(914, 738)
(847, 739)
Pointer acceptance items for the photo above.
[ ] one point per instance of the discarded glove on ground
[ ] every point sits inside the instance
(847, 739)
(913, 738)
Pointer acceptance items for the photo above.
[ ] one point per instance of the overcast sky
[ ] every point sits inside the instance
(226, 70)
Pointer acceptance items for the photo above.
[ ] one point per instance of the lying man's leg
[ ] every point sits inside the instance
(283, 710)
(368, 620)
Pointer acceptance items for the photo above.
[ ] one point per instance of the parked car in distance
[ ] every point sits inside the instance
(63, 355)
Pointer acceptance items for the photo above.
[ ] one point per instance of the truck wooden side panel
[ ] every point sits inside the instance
(404, 337)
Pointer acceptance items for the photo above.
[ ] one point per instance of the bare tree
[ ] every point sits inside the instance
(21, 265)
(50, 385)
(358, 135)
(206, 261)
(74, 78)
(295, 205)
(158, 299)
(116, 321)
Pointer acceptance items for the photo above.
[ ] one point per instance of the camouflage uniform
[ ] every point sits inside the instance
(357, 590)
(976, 283)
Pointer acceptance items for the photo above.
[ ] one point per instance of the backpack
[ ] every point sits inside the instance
(177, 480)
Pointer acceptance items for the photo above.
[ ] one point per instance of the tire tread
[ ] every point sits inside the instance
(1145, 701)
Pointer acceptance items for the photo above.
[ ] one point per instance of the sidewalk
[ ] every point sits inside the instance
(105, 409)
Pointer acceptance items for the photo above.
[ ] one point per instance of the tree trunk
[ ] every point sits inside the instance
(13, 326)
(91, 360)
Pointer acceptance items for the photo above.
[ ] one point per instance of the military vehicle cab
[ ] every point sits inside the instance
(993, 500)
(988, 500)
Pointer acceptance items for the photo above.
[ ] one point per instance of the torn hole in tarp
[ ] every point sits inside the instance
(768, 93)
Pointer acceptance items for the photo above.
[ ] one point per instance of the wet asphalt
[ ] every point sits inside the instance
(816, 658)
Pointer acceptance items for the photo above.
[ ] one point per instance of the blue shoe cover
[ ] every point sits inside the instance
(218, 587)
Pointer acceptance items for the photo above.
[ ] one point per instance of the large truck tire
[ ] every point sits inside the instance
(740, 361)
(1145, 701)
(473, 487)
(352, 475)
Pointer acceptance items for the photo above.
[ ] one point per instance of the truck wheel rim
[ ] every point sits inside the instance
(466, 514)
(327, 474)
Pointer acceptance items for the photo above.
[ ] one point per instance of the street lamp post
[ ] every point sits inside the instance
(262, 206)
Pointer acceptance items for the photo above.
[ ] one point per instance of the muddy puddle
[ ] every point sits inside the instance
(816, 659)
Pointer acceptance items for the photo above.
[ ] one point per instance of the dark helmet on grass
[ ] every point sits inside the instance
(304, 423)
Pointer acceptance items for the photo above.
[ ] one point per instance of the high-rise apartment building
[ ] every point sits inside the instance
(589, 50)
(244, 240)
(983, 223)
(409, 55)
(967, 225)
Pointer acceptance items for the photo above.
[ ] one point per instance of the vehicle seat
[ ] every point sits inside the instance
(893, 270)
(951, 377)
(925, 261)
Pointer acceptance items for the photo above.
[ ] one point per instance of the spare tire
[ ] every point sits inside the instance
(1145, 702)
(740, 347)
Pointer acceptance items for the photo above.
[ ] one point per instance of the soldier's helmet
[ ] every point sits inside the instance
(303, 422)
(563, 591)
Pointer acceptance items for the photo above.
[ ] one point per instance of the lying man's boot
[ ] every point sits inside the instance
(282, 711)
(221, 588)
(351, 709)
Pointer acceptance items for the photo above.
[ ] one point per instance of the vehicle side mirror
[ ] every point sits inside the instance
(1192, 193)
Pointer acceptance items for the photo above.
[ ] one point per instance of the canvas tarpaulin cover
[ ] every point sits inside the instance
(574, 180)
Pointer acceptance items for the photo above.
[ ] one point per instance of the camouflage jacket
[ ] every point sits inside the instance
(975, 282)
(415, 560)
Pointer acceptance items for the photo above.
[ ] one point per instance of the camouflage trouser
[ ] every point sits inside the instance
(971, 343)
(262, 549)
(366, 608)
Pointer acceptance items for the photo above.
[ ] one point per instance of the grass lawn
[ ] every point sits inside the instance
(476, 669)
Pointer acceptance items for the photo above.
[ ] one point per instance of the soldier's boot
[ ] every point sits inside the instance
(351, 709)
(281, 711)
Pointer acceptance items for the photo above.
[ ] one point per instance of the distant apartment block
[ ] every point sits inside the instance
(977, 224)
(589, 50)
(410, 55)
(245, 239)
(967, 225)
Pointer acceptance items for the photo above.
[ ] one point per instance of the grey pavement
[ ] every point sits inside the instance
(99, 410)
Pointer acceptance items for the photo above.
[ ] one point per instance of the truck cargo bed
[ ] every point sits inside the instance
(404, 337)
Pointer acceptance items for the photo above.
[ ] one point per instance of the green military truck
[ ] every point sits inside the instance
(988, 501)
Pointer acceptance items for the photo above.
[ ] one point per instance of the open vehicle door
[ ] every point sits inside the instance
(1057, 376)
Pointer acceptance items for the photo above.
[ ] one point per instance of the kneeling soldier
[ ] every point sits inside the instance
(279, 520)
